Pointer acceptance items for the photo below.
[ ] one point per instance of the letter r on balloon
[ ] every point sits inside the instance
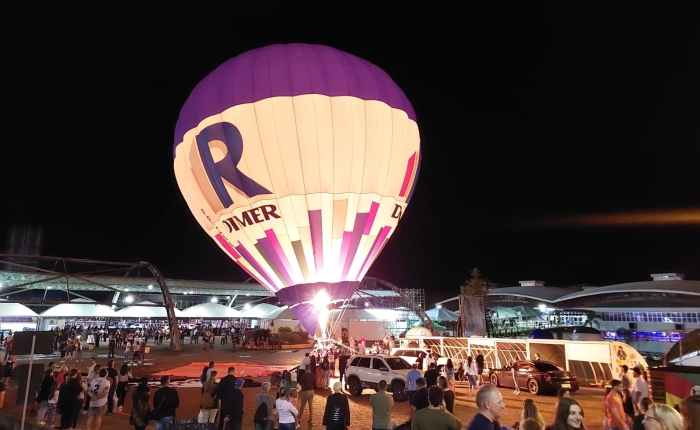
(227, 167)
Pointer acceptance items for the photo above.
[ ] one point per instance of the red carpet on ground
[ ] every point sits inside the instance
(243, 370)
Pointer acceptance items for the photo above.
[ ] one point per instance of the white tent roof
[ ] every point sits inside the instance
(137, 311)
(352, 314)
(8, 309)
(283, 313)
(210, 310)
(259, 310)
(79, 308)
(442, 314)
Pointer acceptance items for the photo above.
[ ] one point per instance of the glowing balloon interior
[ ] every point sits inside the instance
(299, 161)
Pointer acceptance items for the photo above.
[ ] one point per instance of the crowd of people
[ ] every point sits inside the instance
(65, 393)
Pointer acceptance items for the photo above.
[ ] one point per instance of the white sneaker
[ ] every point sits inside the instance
(120, 408)
(41, 423)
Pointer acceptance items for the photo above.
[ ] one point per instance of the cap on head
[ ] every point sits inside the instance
(239, 382)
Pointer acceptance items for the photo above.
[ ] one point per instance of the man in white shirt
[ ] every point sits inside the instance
(99, 391)
(306, 361)
(93, 373)
(640, 388)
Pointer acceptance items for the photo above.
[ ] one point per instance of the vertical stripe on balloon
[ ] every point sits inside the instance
(358, 229)
(316, 227)
(227, 246)
(268, 254)
(344, 247)
(301, 258)
(410, 168)
(254, 263)
(281, 256)
(370, 219)
(374, 251)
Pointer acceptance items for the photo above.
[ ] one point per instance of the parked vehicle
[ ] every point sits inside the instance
(536, 377)
(365, 371)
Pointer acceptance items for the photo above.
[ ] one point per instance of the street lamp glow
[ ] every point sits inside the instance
(543, 308)
(247, 306)
(185, 292)
(129, 299)
(214, 300)
(150, 287)
(439, 306)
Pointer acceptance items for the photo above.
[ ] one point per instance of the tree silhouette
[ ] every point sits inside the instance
(476, 286)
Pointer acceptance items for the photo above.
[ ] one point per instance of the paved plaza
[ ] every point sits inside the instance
(164, 361)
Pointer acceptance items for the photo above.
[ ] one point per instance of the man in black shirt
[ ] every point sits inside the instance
(490, 404)
(420, 398)
(225, 392)
(234, 407)
(307, 380)
(165, 401)
(111, 373)
(337, 414)
(431, 376)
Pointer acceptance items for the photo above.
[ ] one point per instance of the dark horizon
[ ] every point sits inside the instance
(532, 119)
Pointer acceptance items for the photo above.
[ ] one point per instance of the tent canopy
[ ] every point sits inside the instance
(441, 314)
(79, 308)
(283, 313)
(525, 311)
(503, 312)
(137, 311)
(351, 314)
(8, 309)
(210, 310)
(259, 310)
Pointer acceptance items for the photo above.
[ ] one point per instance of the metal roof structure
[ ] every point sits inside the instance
(17, 281)
(74, 276)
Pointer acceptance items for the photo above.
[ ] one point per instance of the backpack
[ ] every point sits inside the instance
(203, 378)
(261, 414)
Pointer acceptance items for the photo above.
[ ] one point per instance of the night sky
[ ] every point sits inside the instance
(532, 118)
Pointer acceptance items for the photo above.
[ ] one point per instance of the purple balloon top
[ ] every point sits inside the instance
(288, 70)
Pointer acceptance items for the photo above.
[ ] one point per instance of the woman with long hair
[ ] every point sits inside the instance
(450, 373)
(207, 408)
(69, 402)
(287, 413)
(471, 375)
(530, 410)
(326, 369)
(568, 416)
(141, 408)
(122, 384)
(690, 408)
(662, 417)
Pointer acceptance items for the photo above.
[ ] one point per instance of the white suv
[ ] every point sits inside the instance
(365, 371)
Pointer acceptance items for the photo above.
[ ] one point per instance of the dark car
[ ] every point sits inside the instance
(536, 377)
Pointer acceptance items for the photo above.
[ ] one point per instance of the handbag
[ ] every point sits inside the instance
(154, 414)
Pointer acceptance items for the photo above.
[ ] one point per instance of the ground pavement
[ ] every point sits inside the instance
(163, 361)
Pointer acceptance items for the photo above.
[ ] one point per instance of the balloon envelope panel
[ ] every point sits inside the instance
(299, 161)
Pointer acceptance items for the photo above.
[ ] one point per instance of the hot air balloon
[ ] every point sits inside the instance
(299, 161)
